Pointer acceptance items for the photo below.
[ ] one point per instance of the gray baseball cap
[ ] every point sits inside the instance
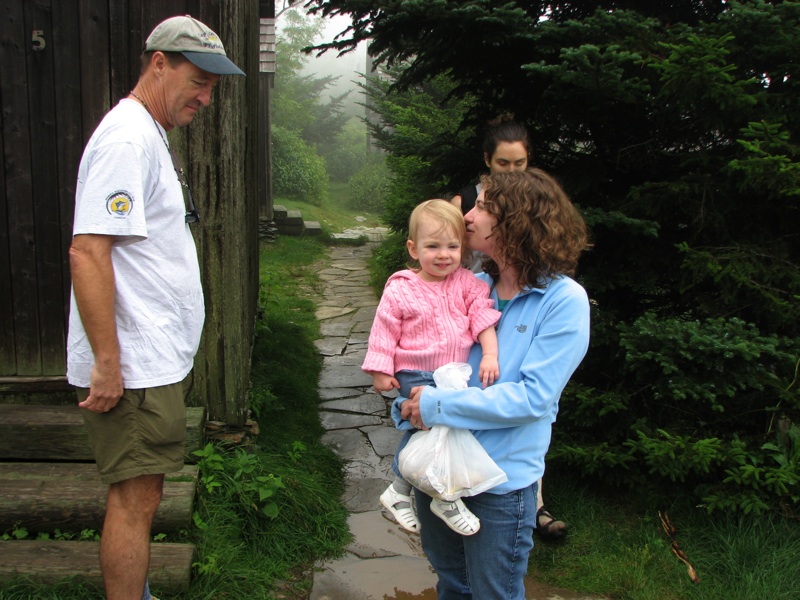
(201, 46)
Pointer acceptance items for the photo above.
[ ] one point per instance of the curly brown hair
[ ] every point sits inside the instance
(539, 231)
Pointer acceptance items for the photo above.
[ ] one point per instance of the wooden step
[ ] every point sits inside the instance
(312, 228)
(40, 432)
(292, 218)
(279, 212)
(70, 497)
(52, 561)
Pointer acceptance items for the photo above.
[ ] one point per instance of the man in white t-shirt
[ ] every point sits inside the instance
(137, 310)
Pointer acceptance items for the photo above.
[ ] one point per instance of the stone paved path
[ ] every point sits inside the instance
(384, 562)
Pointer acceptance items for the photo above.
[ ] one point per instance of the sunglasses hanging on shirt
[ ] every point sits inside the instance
(192, 216)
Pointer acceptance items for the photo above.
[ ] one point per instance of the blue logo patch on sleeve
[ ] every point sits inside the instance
(119, 204)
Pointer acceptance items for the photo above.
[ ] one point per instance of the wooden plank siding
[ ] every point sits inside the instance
(51, 100)
(44, 172)
(18, 191)
(69, 127)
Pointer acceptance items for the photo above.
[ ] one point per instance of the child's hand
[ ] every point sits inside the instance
(489, 370)
(381, 382)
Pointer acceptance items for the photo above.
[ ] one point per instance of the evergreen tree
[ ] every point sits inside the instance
(674, 126)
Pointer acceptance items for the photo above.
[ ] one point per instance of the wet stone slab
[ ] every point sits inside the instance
(331, 346)
(367, 404)
(366, 313)
(336, 393)
(362, 327)
(336, 329)
(384, 440)
(336, 420)
(332, 273)
(361, 494)
(350, 264)
(348, 360)
(337, 376)
(329, 312)
(346, 444)
(359, 338)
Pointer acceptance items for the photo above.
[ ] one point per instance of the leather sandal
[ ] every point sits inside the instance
(552, 529)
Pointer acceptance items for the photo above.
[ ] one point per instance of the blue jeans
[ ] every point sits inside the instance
(491, 564)
(409, 379)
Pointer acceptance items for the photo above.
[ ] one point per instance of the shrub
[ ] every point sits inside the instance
(297, 171)
(348, 154)
(709, 407)
(369, 187)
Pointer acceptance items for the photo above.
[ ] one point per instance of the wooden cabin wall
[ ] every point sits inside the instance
(63, 65)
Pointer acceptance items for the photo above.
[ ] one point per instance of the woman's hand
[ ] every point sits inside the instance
(410, 408)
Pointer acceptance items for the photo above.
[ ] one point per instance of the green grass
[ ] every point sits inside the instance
(334, 216)
(252, 553)
(616, 547)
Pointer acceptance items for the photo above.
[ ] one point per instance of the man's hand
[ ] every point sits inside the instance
(95, 293)
(105, 390)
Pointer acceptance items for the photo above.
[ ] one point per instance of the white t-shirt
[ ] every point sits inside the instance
(127, 188)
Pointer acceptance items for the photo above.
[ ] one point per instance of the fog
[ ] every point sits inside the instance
(348, 67)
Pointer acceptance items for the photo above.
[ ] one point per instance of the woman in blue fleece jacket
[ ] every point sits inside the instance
(533, 235)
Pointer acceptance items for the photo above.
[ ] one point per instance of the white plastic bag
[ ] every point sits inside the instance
(452, 376)
(449, 463)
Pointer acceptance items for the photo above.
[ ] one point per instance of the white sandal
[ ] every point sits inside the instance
(401, 508)
(456, 516)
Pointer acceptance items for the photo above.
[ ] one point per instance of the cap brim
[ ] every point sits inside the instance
(218, 64)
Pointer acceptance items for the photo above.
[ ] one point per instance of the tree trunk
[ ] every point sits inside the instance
(220, 150)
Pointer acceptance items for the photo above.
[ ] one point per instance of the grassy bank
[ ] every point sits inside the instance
(334, 215)
(251, 554)
(617, 547)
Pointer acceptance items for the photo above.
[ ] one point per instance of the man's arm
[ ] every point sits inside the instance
(93, 283)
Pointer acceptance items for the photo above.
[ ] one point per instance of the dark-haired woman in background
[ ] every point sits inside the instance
(506, 148)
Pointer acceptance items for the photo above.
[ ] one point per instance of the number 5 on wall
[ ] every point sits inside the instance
(38, 40)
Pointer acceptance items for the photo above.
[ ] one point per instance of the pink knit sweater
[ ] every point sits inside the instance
(424, 325)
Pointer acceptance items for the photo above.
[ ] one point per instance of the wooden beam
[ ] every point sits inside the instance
(21, 385)
(53, 561)
(60, 434)
(43, 497)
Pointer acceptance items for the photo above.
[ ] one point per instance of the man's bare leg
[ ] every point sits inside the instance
(125, 542)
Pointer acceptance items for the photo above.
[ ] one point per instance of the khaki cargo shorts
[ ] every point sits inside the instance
(143, 434)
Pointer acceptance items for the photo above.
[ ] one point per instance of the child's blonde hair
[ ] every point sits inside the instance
(447, 216)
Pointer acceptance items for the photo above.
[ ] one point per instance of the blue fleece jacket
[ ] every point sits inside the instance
(543, 335)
